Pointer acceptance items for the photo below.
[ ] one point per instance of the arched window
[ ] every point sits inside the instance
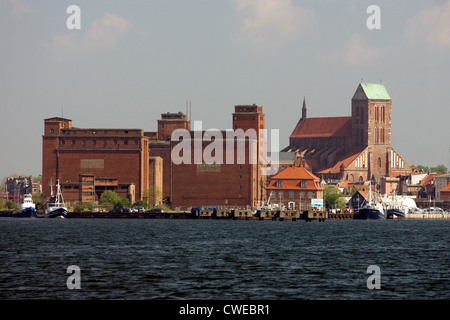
(379, 162)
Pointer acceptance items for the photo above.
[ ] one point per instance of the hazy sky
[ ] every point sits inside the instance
(133, 60)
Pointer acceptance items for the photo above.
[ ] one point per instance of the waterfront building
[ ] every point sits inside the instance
(351, 148)
(294, 187)
(88, 161)
(235, 183)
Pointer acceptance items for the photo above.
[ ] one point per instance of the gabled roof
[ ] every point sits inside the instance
(292, 177)
(371, 91)
(323, 127)
(343, 161)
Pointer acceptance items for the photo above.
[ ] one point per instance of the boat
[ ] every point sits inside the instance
(55, 207)
(27, 208)
(373, 210)
(395, 213)
(395, 208)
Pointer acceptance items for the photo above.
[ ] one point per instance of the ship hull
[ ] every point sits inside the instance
(368, 214)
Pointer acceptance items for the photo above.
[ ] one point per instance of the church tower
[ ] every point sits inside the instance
(371, 115)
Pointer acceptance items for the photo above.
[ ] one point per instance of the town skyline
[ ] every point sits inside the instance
(128, 64)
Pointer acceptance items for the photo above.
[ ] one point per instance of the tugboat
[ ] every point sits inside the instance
(55, 207)
(372, 210)
(27, 208)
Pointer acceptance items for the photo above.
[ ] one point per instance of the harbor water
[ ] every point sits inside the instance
(224, 259)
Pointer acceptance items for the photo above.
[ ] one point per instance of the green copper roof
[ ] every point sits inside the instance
(371, 91)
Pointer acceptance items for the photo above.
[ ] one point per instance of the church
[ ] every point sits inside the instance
(352, 148)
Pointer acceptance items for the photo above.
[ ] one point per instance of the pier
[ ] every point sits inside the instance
(233, 214)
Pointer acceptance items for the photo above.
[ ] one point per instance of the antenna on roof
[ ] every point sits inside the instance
(62, 112)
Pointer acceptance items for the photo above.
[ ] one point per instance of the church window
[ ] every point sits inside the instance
(379, 162)
(376, 113)
(382, 114)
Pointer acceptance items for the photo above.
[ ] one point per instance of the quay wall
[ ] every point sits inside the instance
(234, 214)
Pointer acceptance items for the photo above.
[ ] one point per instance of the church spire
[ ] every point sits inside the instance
(304, 109)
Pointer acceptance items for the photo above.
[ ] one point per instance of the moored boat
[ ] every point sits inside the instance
(373, 210)
(27, 208)
(55, 207)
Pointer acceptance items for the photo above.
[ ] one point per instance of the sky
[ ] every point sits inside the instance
(131, 61)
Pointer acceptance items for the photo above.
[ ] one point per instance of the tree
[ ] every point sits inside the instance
(109, 198)
(122, 203)
(333, 198)
(153, 196)
(438, 169)
(11, 205)
(141, 203)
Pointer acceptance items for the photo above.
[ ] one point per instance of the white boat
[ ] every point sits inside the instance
(27, 208)
(56, 207)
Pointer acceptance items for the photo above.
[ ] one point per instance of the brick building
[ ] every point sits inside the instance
(236, 183)
(351, 148)
(134, 163)
(87, 162)
(294, 187)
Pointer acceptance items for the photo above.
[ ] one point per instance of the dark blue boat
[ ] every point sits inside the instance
(25, 213)
(369, 214)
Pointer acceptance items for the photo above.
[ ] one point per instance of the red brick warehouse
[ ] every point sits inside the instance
(88, 161)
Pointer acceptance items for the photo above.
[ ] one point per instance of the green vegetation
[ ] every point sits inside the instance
(438, 169)
(333, 198)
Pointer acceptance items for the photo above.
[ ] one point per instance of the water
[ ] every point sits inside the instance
(223, 259)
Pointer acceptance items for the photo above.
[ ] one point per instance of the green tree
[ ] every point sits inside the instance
(153, 196)
(439, 169)
(141, 203)
(109, 198)
(122, 203)
(333, 198)
(11, 205)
